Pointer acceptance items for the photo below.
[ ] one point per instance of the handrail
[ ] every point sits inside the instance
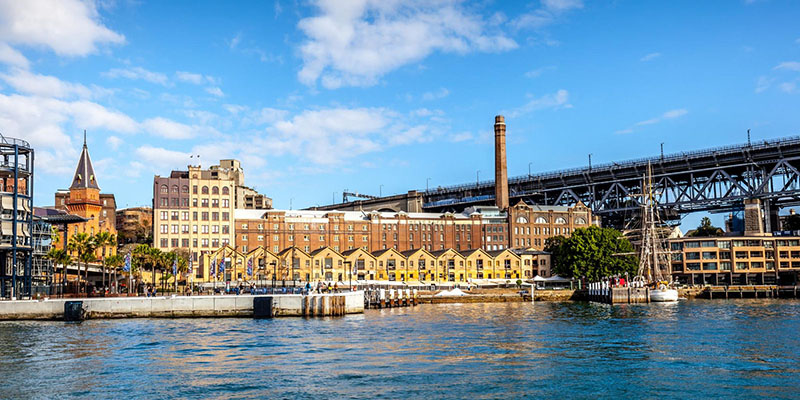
(14, 141)
(722, 150)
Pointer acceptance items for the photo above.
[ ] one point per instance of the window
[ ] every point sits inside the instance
(204, 190)
(522, 220)
(175, 189)
(226, 216)
(164, 215)
(540, 220)
(214, 190)
(225, 203)
(204, 202)
(164, 228)
(580, 221)
(164, 189)
(225, 190)
(194, 189)
(561, 221)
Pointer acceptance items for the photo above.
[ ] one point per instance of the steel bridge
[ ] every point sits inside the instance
(717, 179)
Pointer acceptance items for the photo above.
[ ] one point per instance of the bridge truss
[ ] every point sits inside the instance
(715, 180)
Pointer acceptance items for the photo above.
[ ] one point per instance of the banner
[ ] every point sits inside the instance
(213, 267)
(250, 267)
(127, 266)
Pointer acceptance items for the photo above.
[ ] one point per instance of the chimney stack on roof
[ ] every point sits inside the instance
(500, 172)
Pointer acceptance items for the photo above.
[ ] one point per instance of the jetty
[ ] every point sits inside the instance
(602, 292)
(247, 306)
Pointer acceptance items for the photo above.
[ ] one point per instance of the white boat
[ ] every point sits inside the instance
(663, 294)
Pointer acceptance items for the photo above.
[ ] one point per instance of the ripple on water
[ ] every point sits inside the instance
(737, 348)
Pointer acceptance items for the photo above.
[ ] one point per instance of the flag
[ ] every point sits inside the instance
(222, 267)
(127, 266)
(213, 267)
(250, 267)
(175, 267)
(191, 267)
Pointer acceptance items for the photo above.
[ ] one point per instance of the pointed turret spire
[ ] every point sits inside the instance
(84, 173)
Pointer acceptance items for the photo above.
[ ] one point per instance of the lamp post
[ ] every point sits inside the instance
(380, 191)
(477, 177)
(427, 181)
(529, 169)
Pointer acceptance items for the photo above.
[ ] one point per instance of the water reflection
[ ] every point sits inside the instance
(735, 348)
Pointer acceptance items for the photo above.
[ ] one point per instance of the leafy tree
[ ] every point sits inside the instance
(115, 263)
(593, 253)
(104, 240)
(60, 257)
(555, 246)
(84, 245)
(706, 229)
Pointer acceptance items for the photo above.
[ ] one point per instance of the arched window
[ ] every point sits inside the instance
(540, 220)
(174, 188)
(214, 190)
(204, 190)
(185, 189)
(225, 190)
(522, 220)
(561, 221)
(580, 221)
(164, 189)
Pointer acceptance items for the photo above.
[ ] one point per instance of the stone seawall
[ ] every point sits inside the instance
(541, 295)
(173, 307)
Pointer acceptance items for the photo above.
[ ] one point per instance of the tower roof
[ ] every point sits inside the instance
(84, 174)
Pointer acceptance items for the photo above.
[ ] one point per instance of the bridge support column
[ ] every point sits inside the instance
(771, 216)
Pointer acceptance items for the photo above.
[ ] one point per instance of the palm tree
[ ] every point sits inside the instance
(60, 257)
(84, 245)
(102, 240)
(146, 257)
(115, 262)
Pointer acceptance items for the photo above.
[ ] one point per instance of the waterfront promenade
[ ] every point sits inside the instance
(282, 305)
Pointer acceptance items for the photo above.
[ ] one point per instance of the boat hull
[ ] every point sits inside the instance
(663, 295)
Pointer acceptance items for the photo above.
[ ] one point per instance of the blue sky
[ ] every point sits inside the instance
(377, 96)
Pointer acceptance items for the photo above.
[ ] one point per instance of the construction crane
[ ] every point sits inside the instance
(346, 196)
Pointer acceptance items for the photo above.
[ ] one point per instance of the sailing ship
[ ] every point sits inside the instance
(653, 253)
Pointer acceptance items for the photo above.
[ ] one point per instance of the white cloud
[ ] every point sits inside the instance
(557, 100)
(546, 15)
(215, 91)
(90, 115)
(68, 27)
(788, 87)
(650, 57)
(194, 78)
(114, 142)
(234, 109)
(160, 159)
(439, 94)
(355, 43)
(328, 136)
(10, 56)
(671, 114)
(763, 84)
(535, 73)
(788, 66)
(460, 137)
(138, 73)
(44, 85)
(167, 128)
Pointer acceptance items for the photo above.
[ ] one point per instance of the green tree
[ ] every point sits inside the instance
(60, 257)
(555, 246)
(706, 229)
(84, 246)
(115, 263)
(104, 240)
(594, 253)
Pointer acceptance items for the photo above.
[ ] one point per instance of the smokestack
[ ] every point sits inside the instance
(500, 173)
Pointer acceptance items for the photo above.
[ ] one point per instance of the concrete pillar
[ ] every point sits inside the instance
(753, 217)
(500, 171)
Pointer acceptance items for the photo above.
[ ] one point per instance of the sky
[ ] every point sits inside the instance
(385, 96)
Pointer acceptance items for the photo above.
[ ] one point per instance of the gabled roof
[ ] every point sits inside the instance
(321, 249)
(467, 253)
(289, 249)
(409, 253)
(350, 252)
(438, 253)
(84, 174)
(495, 253)
(379, 253)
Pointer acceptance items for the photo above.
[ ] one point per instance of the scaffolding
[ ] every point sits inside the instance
(16, 218)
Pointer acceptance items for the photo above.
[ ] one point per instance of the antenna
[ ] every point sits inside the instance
(84, 138)
(748, 138)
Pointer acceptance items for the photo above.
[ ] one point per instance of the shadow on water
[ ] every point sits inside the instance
(699, 348)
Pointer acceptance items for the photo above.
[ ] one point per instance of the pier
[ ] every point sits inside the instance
(246, 306)
(390, 298)
(750, 291)
(601, 292)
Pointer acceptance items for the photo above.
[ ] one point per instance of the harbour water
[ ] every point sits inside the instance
(692, 349)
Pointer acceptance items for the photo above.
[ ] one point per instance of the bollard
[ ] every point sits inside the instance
(415, 297)
(382, 297)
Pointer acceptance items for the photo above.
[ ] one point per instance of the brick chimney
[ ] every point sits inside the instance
(500, 173)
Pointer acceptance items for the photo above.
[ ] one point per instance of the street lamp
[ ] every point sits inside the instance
(529, 169)
(427, 181)
(477, 177)
(380, 191)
